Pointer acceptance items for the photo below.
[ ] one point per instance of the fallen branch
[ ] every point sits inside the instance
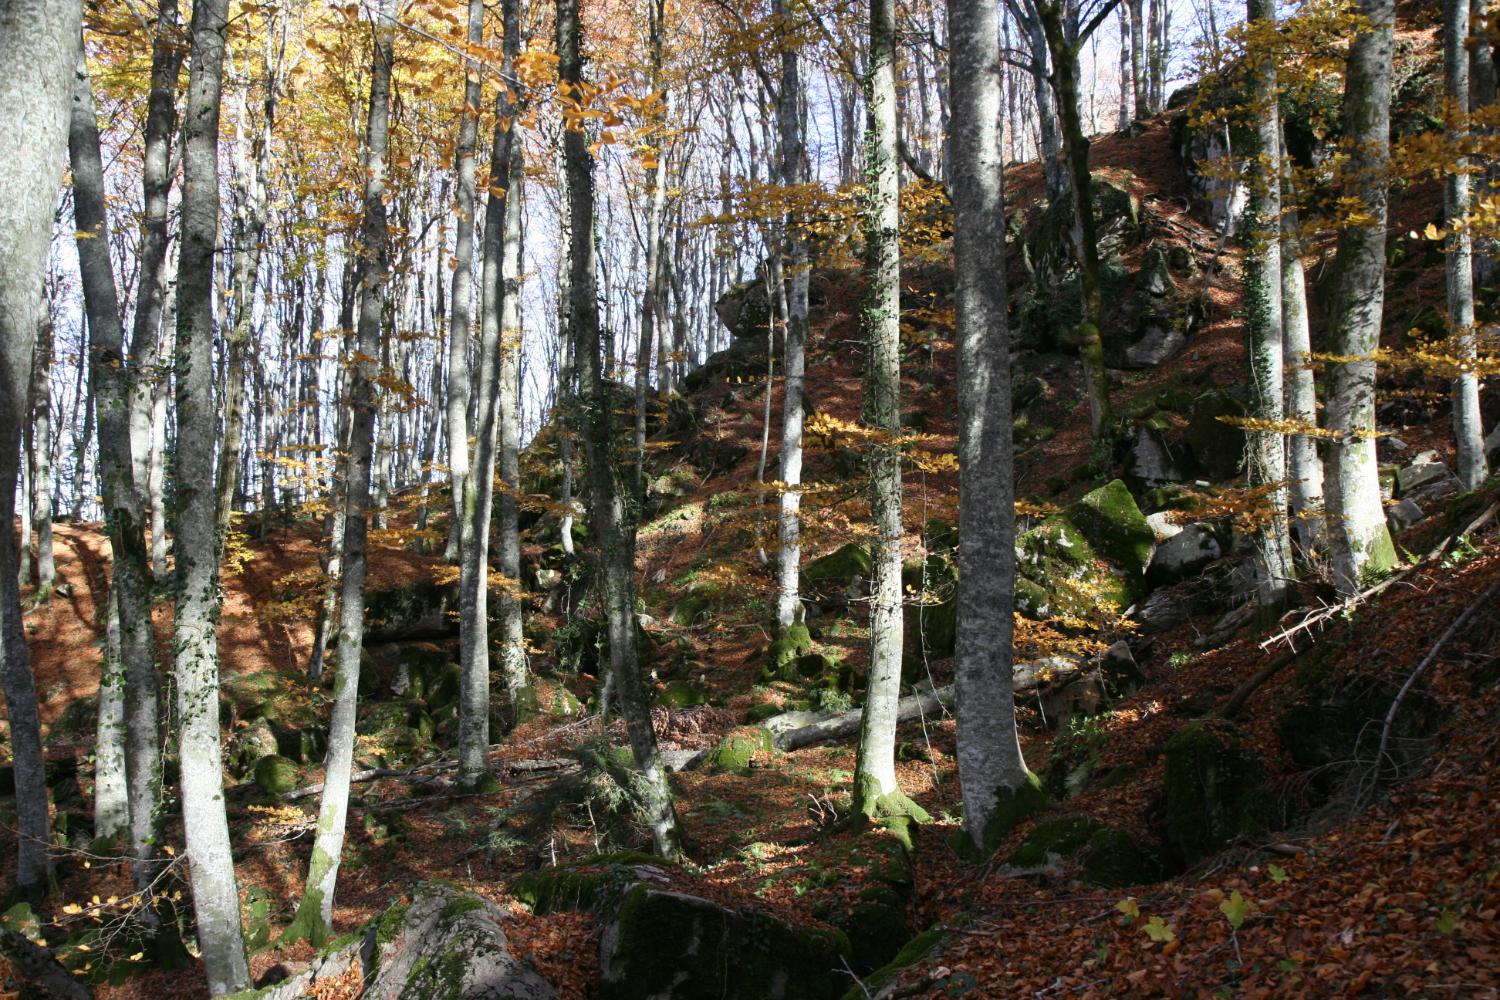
(847, 723)
(1427, 661)
(39, 968)
(1244, 691)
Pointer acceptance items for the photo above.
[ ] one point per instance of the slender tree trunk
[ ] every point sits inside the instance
(337, 487)
(656, 199)
(463, 290)
(1127, 103)
(1305, 467)
(1358, 537)
(794, 169)
(1064, 55)
(130, 581)
(1468, 423)
(111, 791)
(40, 431)
(161, 390)
(1266, 455)
(989, 752)
(876, 790)
(613, 536)
(216, 898)
(512, 633)
(148, 383)
(314, 919)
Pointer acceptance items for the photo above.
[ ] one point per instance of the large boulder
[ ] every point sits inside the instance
(661, 944)
(1182, 555)
(447, 943)
(415, 611)
(1094, 551)
(1217, 444)
(1216, 790)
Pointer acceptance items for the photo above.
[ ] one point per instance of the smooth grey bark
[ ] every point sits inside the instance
(216, 898)
(148, 383)
(40, 466)
(875, 789)
(38, 48)
(656, 210)
(1049, 139)
(124, 521)
(463, 290)
(111, 792)
(479, 498)
(989, 751)
(314, 919)
(613, 534)
(1360, 544)
(512, 347)
(334, 562)
(161, 390)
(1127, 98)
(1137, 58)
(1468, 423)
(1304, 464)
(794, 171)
(1266, 449)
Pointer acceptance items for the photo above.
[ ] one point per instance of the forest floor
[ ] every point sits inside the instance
(1358, 890)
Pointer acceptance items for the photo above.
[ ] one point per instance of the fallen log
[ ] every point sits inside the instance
(837, 727)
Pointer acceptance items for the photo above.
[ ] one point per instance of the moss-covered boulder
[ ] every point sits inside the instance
(590, 885)
(1218, 447)
(275, 774)
(250, 744)
(910, 954)
(669, 944)
(1215, 790)
(791, 644)
(1094, 550)
(841, 575)
(682, 694)
(446, 944)
(414, 611)
(877, 924)
(735, 751)
(1108, 857)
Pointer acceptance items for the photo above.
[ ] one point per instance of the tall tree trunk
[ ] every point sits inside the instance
(463, 289)
(1468, 423)
(1137, 58)
(655, 170)
(875, 789)
(1266, 454)
(1127, 104)
(512, 633)
(130, 580)
(794, 169)
(314, 920)
(216, 898)
(613, 536)
(40, 431)
(333, 566)
(989, 752)
(161, 390)
(148, 384)
(38, 47)
(1358, 537)
(111, 789)
(1085, 241)
(1304, 466)
(566, 368)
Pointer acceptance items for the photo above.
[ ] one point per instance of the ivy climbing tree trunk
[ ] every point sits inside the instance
(876, 791)
(314, 920)
(1266, 454)
(216, 897)
(1468, 424)
(989, 752)
(613, 535)
(1358, 538)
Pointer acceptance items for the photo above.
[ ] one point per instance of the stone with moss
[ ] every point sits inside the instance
(275, 774)
(1094, 551)
(1217, 447)
(661, 943)
(682, 694)
(792, 643)
(910, 954)
(735, 751)
(1215, 790)
(446, 944)
(1108, 857)
(587, 886)
(834, 576)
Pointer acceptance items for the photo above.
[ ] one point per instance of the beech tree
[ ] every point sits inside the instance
(216, 896)
(989, 752)
(1358, 538)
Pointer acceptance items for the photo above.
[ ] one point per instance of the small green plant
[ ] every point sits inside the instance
(1179, 659)
(832, 700)
(1463, 550)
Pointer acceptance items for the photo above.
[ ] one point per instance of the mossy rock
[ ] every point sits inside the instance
(910, 954)
(275, 774)
(587, 886)
(1101, 543)
(1108, 856)
(303, 744)
(831, 576)
(443, 690)
(1215, 790)
(1217, 447)
(792, 643)
(662, 944)
(250, 744)
(682, 694)
(735, 751)
(1012, 807)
